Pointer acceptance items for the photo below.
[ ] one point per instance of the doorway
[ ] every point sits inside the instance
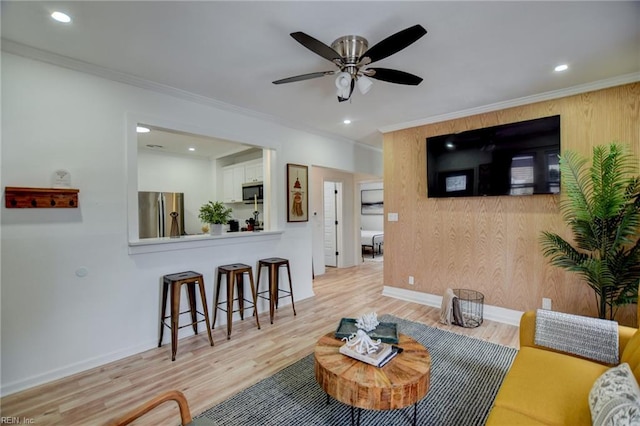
(332, 205)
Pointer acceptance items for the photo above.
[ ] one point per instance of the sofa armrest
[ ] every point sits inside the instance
(528, 333)
(625, 334)
(528, 329)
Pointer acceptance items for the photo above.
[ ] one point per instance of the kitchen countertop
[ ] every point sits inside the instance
(152, 245)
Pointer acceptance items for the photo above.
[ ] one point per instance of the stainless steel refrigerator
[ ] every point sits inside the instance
(155, 214)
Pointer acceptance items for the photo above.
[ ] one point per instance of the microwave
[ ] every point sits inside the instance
(251, 192)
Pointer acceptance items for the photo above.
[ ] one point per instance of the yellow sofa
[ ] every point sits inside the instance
(548, 387)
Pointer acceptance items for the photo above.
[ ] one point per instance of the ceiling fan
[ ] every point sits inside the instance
(352, 55)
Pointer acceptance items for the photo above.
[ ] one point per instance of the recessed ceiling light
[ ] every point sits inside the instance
(192, 148)
(61, 17)
(562, 67)
(347, 121)
(141, 129)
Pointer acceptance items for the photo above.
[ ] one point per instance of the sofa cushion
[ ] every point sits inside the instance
(614, 398)
(548, 387)
(501, 416)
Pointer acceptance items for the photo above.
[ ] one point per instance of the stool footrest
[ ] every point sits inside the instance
(191, 324)
(182, 313)
(288, 294)
(249, 306)
(185, 325)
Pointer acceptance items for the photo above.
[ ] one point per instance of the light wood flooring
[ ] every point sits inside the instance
(208, 375)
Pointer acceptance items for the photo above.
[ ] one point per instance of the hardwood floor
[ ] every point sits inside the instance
(208, 375)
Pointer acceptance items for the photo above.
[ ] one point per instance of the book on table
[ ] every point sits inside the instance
(387, 332)
(377, 358)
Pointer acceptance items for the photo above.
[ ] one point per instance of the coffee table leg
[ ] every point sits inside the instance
(415, 413)
(355, 421)
(328, 399)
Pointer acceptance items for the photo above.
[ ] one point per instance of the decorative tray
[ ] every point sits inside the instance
(385, 331)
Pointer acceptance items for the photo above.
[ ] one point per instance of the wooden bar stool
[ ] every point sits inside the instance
(274, 264)
(190, 279)
(234, 273)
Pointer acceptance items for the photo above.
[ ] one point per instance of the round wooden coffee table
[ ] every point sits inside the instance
(402, 382)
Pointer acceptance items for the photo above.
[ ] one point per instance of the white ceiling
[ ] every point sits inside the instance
(171, 142)
(476, 54)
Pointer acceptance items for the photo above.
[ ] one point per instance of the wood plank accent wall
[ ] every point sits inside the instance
(490, 244)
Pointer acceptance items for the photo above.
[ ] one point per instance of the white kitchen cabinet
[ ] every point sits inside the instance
(253, 172)
(232, 180)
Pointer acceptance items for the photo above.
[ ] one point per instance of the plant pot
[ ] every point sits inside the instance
(215, 228)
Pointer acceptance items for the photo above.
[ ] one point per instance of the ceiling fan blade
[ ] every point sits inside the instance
(393, 44)
(394, 76)
(304, 77)
(316, 46)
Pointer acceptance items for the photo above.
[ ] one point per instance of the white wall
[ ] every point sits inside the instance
(54, 322)
(174, 173)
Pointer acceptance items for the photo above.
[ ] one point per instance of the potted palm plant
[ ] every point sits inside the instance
(602, 209)
(215, 214)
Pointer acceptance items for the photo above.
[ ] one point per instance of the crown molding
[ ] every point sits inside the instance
(555, 94)
(30, 52)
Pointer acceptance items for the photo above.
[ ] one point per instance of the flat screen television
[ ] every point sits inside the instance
(511, 159)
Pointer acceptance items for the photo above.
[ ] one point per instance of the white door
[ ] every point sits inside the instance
(330, 224)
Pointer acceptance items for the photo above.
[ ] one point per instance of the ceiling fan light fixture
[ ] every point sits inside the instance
(343, 84)
(364, 84)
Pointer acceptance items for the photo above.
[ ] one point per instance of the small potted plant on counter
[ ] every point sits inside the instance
(215, 214)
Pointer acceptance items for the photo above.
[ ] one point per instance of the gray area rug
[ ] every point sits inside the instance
(465, 376)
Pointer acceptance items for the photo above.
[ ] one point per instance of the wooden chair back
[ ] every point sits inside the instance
(172, 395)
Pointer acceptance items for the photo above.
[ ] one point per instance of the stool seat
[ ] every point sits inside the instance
(234, 267)
(273, 261)
(274, 264)
(183, 277)
(234, 273)
(176, 281)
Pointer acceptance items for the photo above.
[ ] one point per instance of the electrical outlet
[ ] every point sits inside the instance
(411, 282)
(392, 217)
(546, 303)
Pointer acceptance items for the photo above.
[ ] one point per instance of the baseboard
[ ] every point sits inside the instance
(492, 313)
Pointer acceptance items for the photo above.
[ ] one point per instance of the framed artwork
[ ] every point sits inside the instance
(371, 201)
(297, 193)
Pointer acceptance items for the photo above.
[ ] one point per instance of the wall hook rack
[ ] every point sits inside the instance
(19, 197)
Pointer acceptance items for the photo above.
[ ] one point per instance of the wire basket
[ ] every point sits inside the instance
(470, 306)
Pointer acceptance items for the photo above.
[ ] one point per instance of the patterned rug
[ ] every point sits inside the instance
(465, 376)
